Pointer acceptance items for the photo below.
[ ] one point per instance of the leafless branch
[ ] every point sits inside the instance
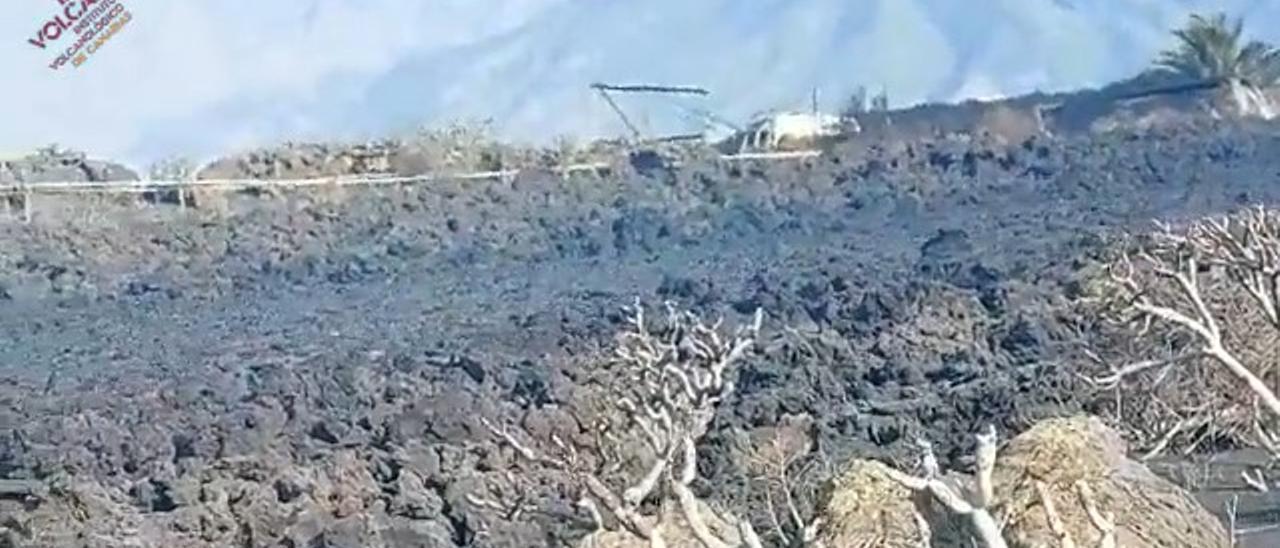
(1204, 291)
(926, 531)
(1257, 481)
(1105, 524)
(1055, 520)
(780, 460)
(666, 383)
(988, 531)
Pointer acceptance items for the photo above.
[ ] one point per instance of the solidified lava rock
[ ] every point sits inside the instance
(318, 368)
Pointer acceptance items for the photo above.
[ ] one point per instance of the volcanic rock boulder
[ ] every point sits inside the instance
(52, 164)
(336, 501)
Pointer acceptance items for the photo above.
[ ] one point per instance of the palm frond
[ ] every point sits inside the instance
(1211, 47)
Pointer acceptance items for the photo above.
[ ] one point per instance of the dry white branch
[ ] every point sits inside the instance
(520, 448)
(666, 384)
(1179, 427)
(628, 515)
(984, 525)
(1051, 514)
(926, 531)
(593, 510)
(485, 503)
(1232, 507)
(1119, 374)
(1266, 438)
(693, 516)
(1205, 290)
(1257, 480)
(986, 462)
(809, 534)
(1105, 524)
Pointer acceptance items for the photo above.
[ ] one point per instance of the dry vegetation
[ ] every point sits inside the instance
(785, 474)
(1065, 483)
(1069, 483)
(1192, 312)
(631, 463)
(1196, 310)
(666, 382)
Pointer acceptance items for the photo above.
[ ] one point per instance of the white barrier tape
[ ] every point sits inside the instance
(49, 187)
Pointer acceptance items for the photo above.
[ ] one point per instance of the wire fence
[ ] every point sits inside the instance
(24, 191)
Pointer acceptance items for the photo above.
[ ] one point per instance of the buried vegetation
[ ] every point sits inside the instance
(632, 459)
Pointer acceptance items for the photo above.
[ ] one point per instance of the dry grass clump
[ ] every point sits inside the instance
(1062, 450)
(865, 506)
(1070, 478)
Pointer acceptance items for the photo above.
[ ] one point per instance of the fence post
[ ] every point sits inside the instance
(26, 203)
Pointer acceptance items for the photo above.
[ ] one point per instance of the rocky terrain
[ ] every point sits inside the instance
(307, 368)
(54, 164)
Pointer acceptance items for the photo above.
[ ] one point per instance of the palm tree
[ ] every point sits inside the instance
(1211, 50)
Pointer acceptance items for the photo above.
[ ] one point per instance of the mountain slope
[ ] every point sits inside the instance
(532, 81)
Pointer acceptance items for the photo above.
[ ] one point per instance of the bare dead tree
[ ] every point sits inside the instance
(976, 510)
(666, 385)
(976, 506)
(784, 475)
(1201, 305)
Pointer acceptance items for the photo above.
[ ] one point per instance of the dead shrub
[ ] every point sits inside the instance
(784, 475)
(636, 448)
(1070, 480)
(1190, 316)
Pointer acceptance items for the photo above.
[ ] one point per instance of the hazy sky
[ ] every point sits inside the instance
(204, 76)
(175, 58)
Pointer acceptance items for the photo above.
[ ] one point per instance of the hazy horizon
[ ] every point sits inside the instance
(203, 78)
